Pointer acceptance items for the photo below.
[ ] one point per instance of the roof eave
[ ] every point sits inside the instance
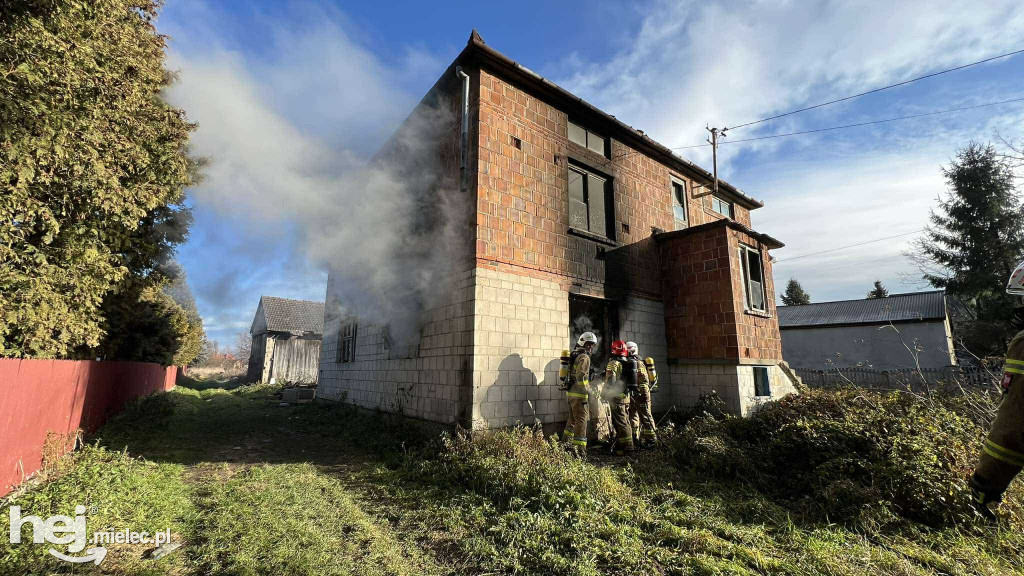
(770, 242)
(624, 132)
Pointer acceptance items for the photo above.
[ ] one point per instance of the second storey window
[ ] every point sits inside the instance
(753, 279)
(347, 342)
(721, 206)
(588, 198)
(588, 139)
(679, 203)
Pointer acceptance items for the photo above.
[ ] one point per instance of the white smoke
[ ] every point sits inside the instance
(388, 229)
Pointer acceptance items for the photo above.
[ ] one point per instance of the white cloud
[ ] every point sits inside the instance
(693, 64)
(726, 63)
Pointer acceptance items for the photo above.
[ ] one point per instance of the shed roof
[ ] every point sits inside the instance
(915, 306)
(287, 315)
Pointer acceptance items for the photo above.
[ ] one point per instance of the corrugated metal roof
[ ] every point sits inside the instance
(286, 315)
(895, 308)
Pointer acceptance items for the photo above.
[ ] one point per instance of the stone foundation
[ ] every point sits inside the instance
(733, 383)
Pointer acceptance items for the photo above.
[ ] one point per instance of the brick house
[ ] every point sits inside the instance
(573, 221)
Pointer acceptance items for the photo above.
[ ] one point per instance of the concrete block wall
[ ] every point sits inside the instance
(734, 384)
(779, 384)
(643, 321)
(433, 385)
(520, 329)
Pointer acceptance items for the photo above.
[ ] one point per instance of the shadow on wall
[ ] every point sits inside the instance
(519, 392)
(551, 373)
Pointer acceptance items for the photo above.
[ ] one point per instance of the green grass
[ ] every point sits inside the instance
(292, 519)
(126, 493)
(251, 487)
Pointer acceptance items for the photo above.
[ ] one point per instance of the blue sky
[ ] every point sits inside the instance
(292, 96)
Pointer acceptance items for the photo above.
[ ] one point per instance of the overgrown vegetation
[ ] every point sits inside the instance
(256, 488)
(93, 168)
(866, 459)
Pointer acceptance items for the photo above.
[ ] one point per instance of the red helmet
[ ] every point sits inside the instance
(619, 348)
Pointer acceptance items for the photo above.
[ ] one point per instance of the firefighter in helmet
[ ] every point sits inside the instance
(619, 380)
(640, 417)
(1002, 455)
(578, 392)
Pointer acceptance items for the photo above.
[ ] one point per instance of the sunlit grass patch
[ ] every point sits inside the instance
(120, 492)
(292, 519)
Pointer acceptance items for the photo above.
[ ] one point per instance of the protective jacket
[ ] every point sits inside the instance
(1002, 454)
(616, 390)
(578, 395)
(641, 419)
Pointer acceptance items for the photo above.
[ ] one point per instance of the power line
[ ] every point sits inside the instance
(849, 246)
(882, 121)
(859, 263)
(905, 82)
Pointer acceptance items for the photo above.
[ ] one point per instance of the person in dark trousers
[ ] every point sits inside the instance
(1002, 455)
(619, 380)
(641, 419)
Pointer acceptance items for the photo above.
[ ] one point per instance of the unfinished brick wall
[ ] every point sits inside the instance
(522, 205)
(488, 355)
(758, 336)
(704, 298)
(700, 311)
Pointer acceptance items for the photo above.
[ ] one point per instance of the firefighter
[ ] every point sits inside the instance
(578, 392)
(640, 417)
(1002, 455)
(619, 380)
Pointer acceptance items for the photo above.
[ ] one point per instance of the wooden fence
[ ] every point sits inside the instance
(925, 379)
(50, 401)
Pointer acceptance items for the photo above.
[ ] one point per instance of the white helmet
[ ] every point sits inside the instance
(1015, 285)
(632, 349)
(587, 337)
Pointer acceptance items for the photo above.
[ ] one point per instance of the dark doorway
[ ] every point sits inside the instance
(598, 316)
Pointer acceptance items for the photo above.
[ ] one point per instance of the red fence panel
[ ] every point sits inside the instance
(61, 396)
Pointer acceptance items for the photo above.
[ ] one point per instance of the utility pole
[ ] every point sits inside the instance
(715, 134)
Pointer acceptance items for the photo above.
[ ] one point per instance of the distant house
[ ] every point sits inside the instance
(286, 337)
(873, 333)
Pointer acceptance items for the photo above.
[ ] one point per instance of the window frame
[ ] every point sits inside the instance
(346, 352)
(587, 135)
(717, 201)
(607, 231)
(674, 180)
(748, 304)
(765, 389)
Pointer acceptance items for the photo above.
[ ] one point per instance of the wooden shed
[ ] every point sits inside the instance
(286, 336)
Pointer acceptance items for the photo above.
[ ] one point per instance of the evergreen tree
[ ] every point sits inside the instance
(975, 240)
(152, 321)
(878, 291)
(794, 294)
(93, 167)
